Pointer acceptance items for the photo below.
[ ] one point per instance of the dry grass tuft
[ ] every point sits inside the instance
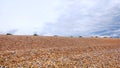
(59, 52)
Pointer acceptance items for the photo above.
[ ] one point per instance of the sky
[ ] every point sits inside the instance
(60, 17)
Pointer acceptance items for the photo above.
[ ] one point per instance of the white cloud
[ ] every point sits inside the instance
(85, 17)
(27, 16)
(61, 17)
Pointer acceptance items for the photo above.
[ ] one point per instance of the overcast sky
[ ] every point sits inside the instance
(60, 17)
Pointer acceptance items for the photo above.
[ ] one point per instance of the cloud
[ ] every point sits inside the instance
(87, 17)
(27, 16)
(61, 17)
(13, 31)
